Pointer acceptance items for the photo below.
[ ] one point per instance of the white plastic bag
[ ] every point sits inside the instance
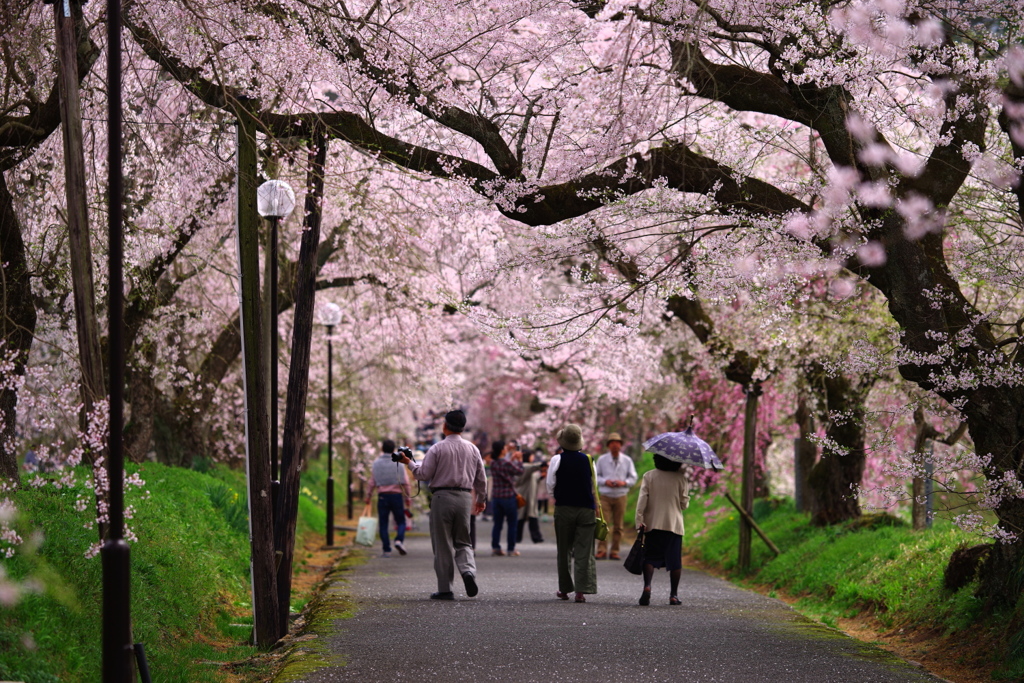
(366, 532)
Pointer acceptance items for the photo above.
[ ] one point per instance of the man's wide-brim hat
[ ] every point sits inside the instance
(614, 436)
(570, 438)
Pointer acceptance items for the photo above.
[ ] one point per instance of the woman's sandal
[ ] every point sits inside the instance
(645, 597)
(673, 600)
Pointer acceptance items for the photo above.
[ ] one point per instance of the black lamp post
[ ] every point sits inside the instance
(275, 200)
(117, 642)
(330, 315)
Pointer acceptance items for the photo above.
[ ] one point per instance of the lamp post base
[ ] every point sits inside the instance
(330, 511)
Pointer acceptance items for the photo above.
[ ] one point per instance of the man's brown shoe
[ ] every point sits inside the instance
(600, 555)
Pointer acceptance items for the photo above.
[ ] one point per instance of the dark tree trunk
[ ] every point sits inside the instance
(17, 326)
(996, 419)
(298, 377)
(762, 488)
(806, 454)
(142, 396)
(831, 481)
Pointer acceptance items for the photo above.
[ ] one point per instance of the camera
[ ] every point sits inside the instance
(397, 455)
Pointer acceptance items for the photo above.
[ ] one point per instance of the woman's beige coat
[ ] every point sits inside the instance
(663, 497)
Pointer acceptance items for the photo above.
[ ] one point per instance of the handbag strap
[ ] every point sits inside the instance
(368, 511)
(597, 496)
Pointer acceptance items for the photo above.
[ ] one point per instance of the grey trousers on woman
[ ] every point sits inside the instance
(574, 535)
(449, 536)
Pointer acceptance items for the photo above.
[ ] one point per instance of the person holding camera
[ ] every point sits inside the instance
(390, 481)
(505, 470)
(458, 486)
(527, 486)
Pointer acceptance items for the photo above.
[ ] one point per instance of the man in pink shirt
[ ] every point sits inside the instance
(455, 472)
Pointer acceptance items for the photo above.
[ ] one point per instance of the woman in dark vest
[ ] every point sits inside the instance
(570, 482)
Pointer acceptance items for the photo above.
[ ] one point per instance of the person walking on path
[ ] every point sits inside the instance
(616, 474)
(455, 471)
(506, 467)
(390, 481)
(571, 484)
(526, 486)
(664, 494)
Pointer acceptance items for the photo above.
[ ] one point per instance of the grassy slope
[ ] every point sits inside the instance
(190, 580)
(872, 566)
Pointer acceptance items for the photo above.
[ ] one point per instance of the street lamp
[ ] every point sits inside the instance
(275, 200)
(330, 315)
(115, 553)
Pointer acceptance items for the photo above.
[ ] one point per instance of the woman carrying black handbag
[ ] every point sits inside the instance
(664, 494)
(634, 563)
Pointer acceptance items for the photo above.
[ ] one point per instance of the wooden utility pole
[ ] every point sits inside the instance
(261, 523)
(93, 389)
(921, 487)
(753, 391)
(298, 374)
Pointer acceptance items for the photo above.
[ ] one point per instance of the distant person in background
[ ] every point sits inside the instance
(489, 505)
(542, 488)
(526, 486)
(570, 482)
(616, 474)
(390, 481)
(664, 494)
(505, 470)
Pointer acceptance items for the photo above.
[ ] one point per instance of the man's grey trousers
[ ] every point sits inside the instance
(449, 536)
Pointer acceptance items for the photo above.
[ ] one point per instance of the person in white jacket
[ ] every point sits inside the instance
(664, 494)
(616, 475)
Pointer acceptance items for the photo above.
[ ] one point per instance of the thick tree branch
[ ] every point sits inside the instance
(1015, 96)
(738, 365)
(474, 126)
(213, 94)
(43, 118)
(147, 295)
(676, 165)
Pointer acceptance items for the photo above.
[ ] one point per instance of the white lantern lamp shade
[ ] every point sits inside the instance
(275, 199)
(330, 314)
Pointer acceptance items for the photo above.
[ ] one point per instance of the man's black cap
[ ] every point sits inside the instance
(455, 420)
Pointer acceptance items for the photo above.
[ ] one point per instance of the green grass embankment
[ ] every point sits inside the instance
(190, 579)
(876, 565)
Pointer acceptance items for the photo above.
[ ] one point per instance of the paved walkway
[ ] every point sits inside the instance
(516, 630)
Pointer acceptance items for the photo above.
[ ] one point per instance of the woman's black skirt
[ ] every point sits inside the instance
(663, 549)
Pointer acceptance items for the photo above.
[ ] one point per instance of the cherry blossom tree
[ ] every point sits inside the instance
(873, 139)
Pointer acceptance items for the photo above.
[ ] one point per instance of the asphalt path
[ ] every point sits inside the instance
(516, 630)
